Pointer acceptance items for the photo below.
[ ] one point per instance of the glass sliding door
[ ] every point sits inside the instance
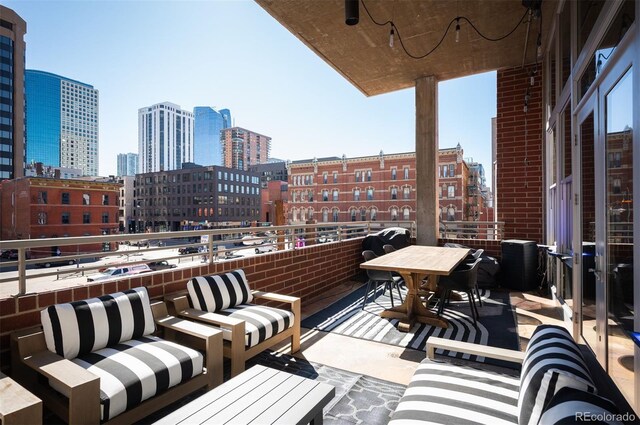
(618, 140)
(586, 134)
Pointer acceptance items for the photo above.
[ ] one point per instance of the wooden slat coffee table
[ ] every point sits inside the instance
(260, 395)
(413, 263)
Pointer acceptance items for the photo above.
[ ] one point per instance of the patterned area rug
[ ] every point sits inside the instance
(496, 325)
(359, 399)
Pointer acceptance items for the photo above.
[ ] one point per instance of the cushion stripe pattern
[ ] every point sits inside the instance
(217, 292)
(443, 393)
(550, 349)
(261, 322)
(80, 327)
(570, 406)
(136, 370)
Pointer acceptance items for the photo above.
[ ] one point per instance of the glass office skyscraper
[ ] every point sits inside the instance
(208, 123)
(127, 164)
(62, 122)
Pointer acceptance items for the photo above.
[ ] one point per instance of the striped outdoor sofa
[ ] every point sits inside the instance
(225, 301)
(554, 385)
(97, 360)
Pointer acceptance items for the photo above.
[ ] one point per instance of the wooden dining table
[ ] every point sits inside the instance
(413, 263)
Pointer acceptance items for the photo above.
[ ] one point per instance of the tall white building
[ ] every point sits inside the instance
(127, 164)
(165, 137)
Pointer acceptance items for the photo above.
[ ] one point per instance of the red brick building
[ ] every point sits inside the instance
(376, 188)
(242, 148)
(34, 207)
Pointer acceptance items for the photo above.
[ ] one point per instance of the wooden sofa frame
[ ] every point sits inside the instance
(235, 350)
(434, 343)
(32, 362)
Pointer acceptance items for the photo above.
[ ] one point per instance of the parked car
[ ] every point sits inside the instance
(9, 254)
(265, 248)
(161, 265)
(12, 254)
(113, 272)
(189, 250)
(56, 263)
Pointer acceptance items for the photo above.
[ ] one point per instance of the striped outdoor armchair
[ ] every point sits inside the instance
(226, 301)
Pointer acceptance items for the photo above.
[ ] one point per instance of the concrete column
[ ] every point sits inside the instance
(427, 160)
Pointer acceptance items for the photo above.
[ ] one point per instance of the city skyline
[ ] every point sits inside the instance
(274, 84)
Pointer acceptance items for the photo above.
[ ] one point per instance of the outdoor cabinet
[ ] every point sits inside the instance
(519, 264)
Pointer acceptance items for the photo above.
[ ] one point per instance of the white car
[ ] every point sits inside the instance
(265, 248)
(114, 272)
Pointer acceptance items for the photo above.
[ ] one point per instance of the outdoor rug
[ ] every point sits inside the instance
(359, 399)
(496, 325)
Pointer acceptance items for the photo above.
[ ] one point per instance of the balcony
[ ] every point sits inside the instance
(323, 270)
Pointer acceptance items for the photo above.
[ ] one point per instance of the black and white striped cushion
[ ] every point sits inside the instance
(136, 370)
(550, 349)
(261, 322)
(570, 406)
(80, 327)
(444, 393)
(217, 292)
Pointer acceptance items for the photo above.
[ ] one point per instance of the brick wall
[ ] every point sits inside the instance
(305, 273)
(519, 154)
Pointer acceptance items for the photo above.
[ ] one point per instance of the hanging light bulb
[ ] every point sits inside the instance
(457, 30)
(391, 37)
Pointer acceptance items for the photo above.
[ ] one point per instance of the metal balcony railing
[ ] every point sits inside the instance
(126, 250)
(485, 230)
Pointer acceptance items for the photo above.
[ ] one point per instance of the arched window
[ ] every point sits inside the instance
(370, 194)
(394, 193)
(394, 214)
(310, 213)
(310, 195)
(373, 213)
(356, 194)
(295, 196)
(325, 215)
(335, 194)
(363, 214)
(335, 215)
(405, 213)
(451, 214)
(325, 195)
(406, 192)
(294, 214)
(353, 214)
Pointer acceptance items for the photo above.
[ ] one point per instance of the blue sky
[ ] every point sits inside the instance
(232, 54)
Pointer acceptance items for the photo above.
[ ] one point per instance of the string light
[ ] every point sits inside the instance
(395, 31)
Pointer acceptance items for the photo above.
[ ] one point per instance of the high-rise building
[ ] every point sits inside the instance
(165, 137)
(62, 122)
(242, 148)
(127, 164)
(206, 136)
(12, 111)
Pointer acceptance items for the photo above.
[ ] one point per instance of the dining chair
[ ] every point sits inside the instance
(388, 248)
(377, 277)
(477, 254)
(464, 279)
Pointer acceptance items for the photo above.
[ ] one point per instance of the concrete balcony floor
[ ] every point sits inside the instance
(397, 364)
